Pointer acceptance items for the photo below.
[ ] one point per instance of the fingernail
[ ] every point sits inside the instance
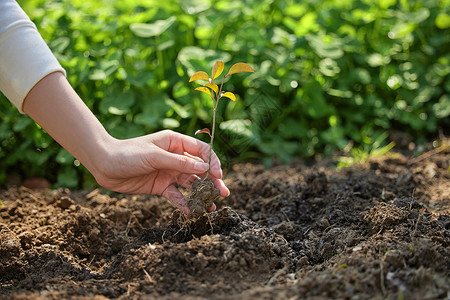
(200, 166)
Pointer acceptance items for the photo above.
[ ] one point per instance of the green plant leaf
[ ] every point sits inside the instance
(170, 123)
(154, 29)
(241, 127)
(213, 86)
(217, 69)
(229, 95)
(238, 68)
(200, 75)
(442, 21)
(204, 90)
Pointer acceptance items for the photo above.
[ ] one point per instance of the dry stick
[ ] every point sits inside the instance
(417, 222)
(428, 154)
(89, 264)
(148, 276)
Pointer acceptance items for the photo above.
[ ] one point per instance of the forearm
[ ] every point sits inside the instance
(55, 106)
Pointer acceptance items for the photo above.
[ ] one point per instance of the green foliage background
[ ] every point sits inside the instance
(328, 74)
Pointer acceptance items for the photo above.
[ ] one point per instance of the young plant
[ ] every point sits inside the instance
(216, 93)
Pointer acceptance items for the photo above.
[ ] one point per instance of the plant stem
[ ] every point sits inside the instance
(212, 139)
(213, 129)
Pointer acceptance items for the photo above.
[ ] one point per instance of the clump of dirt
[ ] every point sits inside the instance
(202, 196)
(375, 231)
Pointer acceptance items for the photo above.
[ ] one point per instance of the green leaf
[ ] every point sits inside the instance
(217, 69)
(154, 29)
(67, 177)
(200, 75)
(117, 103)
(193, 7)
(238, 68)
(21, 124)
(442, 21)
(64, 157)
(170, 123)
(195, 58)
(326, 46)
(239, 127)
(229, 95)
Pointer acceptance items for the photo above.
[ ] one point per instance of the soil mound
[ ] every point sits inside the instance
(304, 230)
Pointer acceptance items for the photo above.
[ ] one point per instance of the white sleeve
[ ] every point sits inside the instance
(24, 56)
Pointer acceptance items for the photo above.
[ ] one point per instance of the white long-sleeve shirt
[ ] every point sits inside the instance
(24, 56)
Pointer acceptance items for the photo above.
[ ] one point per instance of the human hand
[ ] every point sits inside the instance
(152, 164)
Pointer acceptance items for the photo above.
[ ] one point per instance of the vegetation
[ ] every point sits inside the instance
(216, 93)
(328, 74)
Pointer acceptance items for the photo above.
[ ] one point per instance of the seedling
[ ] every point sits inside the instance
(203, 192)
(216, 93)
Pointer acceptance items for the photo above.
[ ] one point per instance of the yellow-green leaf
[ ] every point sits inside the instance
(204, 90)
(213, 86)
(1, 204)
(239, 67)
(229, 95)
(200, 75)
(217, 69)
(204, 130)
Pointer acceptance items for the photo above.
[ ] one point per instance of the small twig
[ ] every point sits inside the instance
(148, 276)
(417, 222)
(210, 224)
(430, 153)
(89, 264)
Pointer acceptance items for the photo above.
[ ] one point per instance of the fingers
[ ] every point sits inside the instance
(177, 162)
(175, 197)
(212, 208)
(219, 184)
(186, 180)
(198, 149)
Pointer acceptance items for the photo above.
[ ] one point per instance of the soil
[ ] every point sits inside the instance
(300, 231)
(201, 197)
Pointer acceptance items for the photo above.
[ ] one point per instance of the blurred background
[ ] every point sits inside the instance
(348, 78)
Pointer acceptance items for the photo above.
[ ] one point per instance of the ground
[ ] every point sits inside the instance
(379, 230)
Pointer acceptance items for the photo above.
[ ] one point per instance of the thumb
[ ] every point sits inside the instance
(177, 162)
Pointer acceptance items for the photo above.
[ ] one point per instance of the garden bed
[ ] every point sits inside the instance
(304, 230)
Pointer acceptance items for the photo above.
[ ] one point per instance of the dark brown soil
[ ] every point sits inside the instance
(302, 231)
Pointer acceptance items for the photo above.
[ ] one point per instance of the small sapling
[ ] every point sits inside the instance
(203, 192)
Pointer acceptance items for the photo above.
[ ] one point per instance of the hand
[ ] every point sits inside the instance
(152, 164)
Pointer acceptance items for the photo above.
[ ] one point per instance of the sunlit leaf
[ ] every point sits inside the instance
(204, 90)
(229, 95)
(1, 205)
(442, 21)
(213, 86)
(217, 69)
(239, 67)
(200, 75)
(148, 30)
(204, 130)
